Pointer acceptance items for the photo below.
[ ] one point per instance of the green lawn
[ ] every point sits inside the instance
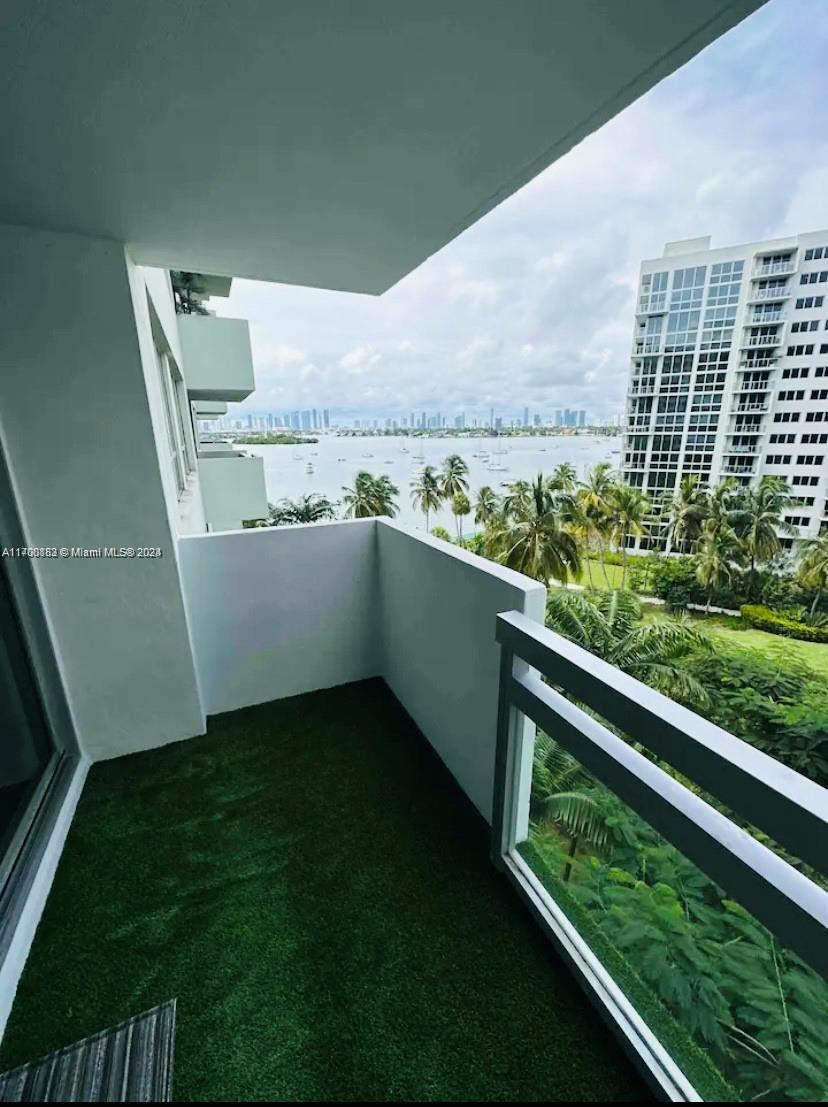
(728, 630)
(310, 883)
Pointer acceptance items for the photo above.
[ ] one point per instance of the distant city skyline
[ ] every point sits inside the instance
(316, 418)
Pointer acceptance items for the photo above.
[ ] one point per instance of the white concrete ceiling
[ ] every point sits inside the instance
(335, 143)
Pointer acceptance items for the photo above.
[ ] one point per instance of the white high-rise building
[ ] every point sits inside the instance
(729, 372)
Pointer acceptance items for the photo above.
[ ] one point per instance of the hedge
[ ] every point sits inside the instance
(762, 618)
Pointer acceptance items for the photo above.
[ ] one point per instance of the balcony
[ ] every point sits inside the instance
(232, 486)
(310, 879)
(218, 363)
(774, 268)
(647, 346)
(749, 409)
(762, 340)
(766, 317)
(314, 887)
(764, 294)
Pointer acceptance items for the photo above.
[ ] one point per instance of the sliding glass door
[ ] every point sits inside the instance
(25, 746)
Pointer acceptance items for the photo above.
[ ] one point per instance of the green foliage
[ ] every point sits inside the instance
(278, 440)
(312, 508)
(609, 624)
(770, 700)
(758, 1011)
(533, 533)
(775, 622)
(370, 496)
(441, 532)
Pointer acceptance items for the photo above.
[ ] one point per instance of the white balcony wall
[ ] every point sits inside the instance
(77, 433)
(438, 606)
(218, 363)
(232, 490)
(280, 611)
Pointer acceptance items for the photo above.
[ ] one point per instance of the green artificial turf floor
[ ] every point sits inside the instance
(314, 888)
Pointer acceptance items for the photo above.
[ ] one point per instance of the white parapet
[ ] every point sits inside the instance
(218, 363)
(284, 610)
(232, 490)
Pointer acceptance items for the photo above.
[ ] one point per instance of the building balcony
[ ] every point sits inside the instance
(749, 409)
(774, 268)
(754, 449)
(218, 363)
(311, 878)
(232, 486)
(761, 295)
(753, 340)
(647, 346)
(766, 317)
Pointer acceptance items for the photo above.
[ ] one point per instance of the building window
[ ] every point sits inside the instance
(792, 394)
(802, 351)
(174, 400)
(814, 253)
(803, 325)
(809, 302)
(814, 278)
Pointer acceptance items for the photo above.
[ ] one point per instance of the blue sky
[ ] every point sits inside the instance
(533, 305)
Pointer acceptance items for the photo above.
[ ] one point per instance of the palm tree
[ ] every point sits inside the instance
(688, 512)
(454, 482)
(628, 510)
(720, 555)
(460, 506)
(454, 476)
(609, 624)
(370, 496)
(312, 508)
(813, 567)
(533, 539)
(563, 477)
(518, 497)
(564, 794)
(757, 521)
(720, 504)
(486, 505)
(594, 496)
(426, 493)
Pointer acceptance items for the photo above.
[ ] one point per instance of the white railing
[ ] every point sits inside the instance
(770, 293)
(768, 269)
(752, 409)
(763, 340)
(647, 345)
(766, 317)
(792, 810)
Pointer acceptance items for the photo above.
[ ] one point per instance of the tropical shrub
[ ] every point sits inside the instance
(774, 702)
(777, 622)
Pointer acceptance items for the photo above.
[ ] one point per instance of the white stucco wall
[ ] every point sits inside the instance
(232, 490)
(440, 659)
(217, 356)
(279, 611)
(77, 431)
